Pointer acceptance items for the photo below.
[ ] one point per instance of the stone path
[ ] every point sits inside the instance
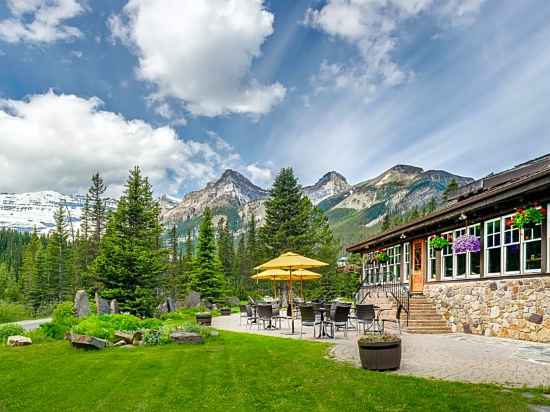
(33, 324)
(454, 356)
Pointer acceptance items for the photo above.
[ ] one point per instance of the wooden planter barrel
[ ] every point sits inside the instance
(380, 356)
(204, 319)
(225, 311)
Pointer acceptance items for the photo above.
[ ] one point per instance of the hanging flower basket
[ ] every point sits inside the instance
(528, 218)
(381, 256)
(466, 243)
(438, 242)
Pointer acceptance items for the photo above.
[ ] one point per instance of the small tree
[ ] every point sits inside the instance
(207, 269)
(452, 187)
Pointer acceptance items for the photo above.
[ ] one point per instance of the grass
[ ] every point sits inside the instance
(232, 372)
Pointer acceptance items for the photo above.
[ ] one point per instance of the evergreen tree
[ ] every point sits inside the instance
(131, 261)
(253, 253)
(29, 270)
(97, 211)
(286, 221)
(207, 270)
(452, 187)
(186, 264)
(226, 251)
(242, 280)
(59, 265)
(175, 266)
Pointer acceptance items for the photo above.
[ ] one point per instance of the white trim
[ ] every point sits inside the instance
(406, 263)
(486, 248)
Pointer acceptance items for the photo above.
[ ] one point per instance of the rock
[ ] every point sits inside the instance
(233, 301)
(535, 318)
(102, 305)
(114, 307)
(18, 340)
(171, 304)
(120, 343)
(129, 337)
(163, 308)
(192, 300)
(186, 337)
(87, 342)
(81, 304)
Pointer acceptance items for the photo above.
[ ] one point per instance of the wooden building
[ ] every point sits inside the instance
(504, 288)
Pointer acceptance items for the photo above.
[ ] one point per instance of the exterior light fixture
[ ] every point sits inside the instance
(402, 236)
(463, 217)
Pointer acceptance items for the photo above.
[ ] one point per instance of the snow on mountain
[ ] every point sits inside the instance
(329, 185)
(26, 211)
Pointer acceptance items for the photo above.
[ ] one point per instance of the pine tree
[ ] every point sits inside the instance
(286, 221)
(253, 253)
(207, 270)
(242, 280)
(175, 266)
(131, 262)
(29, 268)
(59, 262)
(452, 187)
(226, 251)
(97, 211)
(186, 267)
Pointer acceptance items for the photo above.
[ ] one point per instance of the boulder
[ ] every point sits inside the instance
(192, 300)
(114, 307)
(102, 305)
(186, 337)
(81, 304)
(163, 308)
(129, 337)
(87, 342)
(18, 340)
(171, 304)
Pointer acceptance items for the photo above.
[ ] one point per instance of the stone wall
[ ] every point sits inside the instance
(514, 308)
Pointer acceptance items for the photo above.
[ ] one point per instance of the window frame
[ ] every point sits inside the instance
(444, 255)
(406, 261)
(432, 255)
(486, 247)
(523, 245)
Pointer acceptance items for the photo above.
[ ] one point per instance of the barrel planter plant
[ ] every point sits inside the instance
(204, 318)
(380, 352)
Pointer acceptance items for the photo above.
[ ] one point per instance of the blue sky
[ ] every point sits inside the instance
(187, 89)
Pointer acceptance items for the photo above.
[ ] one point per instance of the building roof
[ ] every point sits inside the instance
(521, 179)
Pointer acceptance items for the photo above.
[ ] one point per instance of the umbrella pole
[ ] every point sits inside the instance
(302, 288)
(291, 301)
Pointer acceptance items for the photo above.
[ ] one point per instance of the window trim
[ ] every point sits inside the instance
(486, 248)
(432, 277)
(406, 263)
(503, 245)
(523, 245)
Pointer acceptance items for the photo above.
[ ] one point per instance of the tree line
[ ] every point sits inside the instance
(127, 254)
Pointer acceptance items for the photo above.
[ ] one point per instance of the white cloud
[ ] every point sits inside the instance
(372, 27)
(40, 21)
(262, 176)
(200, 53)
(56, 142)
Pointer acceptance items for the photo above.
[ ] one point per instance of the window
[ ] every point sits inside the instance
(474, 263)
(532, 249)
(432, 261)
(394, 263)
(492, 246)
(447, 257)
(460, 258)
(406, 261)
(512, 249)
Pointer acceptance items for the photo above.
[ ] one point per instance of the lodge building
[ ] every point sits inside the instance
(502, 288)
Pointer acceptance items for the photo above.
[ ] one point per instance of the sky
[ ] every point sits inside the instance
(186, 89)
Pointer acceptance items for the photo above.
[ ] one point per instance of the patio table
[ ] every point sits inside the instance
(323, 332)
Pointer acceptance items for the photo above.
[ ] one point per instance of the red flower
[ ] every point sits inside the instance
(543, 211)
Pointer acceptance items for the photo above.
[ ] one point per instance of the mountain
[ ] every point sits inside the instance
(329, 185)
(26, 211)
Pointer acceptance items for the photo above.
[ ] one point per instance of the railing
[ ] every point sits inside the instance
(398, 291)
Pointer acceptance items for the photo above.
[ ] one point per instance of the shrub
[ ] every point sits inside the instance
(12, 312)
(10, 329)
(63, 319)
(152, 337)
(376, 338)
(38, 336)
(105, 326)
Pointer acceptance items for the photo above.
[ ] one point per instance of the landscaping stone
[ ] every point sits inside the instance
(163, 308)
(87, 342)
(114, 307)
(18, 340)
(186, 337)
(192, 300)
(81, 304)
(171, 304)
(539, 408)
(130, 338)
(102, 305)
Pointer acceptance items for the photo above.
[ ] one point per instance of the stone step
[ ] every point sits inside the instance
(425, 317)
(427, 323)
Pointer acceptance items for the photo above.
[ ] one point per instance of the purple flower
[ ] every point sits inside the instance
(466, 243)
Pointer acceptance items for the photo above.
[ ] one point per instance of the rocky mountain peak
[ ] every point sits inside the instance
(330, 184)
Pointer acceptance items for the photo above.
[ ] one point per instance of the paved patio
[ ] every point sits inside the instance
(456, 356)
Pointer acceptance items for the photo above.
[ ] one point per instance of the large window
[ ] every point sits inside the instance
(509, 250)
(432, 261)
(460, 258)
(474, 258)
(394, 263)
(447, 257)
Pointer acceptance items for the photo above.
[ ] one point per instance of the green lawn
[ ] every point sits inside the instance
(237, 372)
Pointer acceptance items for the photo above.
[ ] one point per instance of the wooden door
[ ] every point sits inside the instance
(418, 265)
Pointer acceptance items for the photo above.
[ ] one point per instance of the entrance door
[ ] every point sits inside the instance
(418, 265)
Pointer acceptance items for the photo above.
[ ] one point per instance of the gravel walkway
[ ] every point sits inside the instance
(455, 356)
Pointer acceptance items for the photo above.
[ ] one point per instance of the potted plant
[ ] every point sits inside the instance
(528, 218)
(439, 242)
(204, 318)
(381, 256)
(380, 352)
(466, 243)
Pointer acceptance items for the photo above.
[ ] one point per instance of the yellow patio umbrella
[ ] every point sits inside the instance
(299, 275)
(292, 262)
(270, 274)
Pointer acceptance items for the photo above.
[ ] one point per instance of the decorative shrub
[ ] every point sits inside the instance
(105, 326)
(466, 243)
(376, 338)
(10, 329)
(528, 217)
(12, 312)
(152, 337)
(439, 242)
(63, 319)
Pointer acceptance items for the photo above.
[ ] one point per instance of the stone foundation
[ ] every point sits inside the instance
(513, 308)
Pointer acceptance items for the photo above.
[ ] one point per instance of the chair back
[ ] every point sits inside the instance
(265, 311)
(249, 311)
(316, 306)
(341, 314)
(242, 309)
(307, 313)
(365, 312)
